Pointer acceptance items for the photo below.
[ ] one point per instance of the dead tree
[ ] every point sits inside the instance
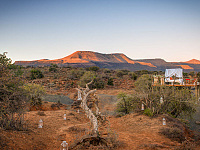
(85, 92)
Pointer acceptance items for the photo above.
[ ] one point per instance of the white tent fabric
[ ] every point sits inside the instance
(174, 72)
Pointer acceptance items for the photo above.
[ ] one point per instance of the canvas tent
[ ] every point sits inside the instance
(178, 73)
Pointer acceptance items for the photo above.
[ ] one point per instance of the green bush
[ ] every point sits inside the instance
(110, 81)
(142, 72)
(98, 83)
(132, 75)
(120, 74)
(35, 93)
(13, 99)
(92, 68)
(53, 68)
(125, 72)
(86, 78)
(177, 102)
(36, 74)
(148, 112)
(75, 73)
(18, 72)
(124, 105)
(107, 70)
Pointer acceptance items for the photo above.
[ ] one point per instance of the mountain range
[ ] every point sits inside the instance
(113, 61)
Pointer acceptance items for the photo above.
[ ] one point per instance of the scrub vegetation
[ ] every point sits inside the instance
(22, 90)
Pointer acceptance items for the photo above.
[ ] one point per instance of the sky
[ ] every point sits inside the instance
(141, 29)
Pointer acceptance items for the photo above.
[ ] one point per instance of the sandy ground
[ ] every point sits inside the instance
(134, 131)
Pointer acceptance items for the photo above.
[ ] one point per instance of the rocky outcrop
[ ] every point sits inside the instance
(113, 61)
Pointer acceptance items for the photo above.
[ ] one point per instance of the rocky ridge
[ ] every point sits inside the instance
(113, 61)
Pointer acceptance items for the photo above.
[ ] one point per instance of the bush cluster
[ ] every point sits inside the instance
(177, 102)
(53, 68)
(36, 74)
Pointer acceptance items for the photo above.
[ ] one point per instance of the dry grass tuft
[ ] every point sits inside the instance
(41, 113)
(173, 133)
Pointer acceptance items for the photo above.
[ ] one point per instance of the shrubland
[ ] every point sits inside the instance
(15, 94)
(177, 102)
(55, 79)
(24, 87)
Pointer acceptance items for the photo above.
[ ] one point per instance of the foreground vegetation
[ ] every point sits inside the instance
(15, 95)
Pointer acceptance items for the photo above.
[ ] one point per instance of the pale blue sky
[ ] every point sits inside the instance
(51, 29)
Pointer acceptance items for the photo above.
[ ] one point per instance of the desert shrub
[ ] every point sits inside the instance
(132, 75)
(107, 70)
(41, 113)
(128, 103)
(35, 93)
(55, 106)
(177, 102)
(53, 68)
(13, 99)
(98, 83)
(104, 75)
(12, 108)
(113, 141)
(124, 104)
(141, 72)
(148, 112)
(5, 62)
(110, 81)
(120, 74)
(86, 78)
(18, 72)
(75, 73)
(125, 72)
(36, 74)
(144, 83)
(76, 129)
(92, 68)
(173, 133)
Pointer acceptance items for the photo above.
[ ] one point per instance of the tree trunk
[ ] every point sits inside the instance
(85, 93)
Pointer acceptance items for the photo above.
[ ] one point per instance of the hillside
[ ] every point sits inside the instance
(113, 61)
(193, 61)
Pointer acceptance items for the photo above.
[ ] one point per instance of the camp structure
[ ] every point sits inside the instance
(174, 77)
